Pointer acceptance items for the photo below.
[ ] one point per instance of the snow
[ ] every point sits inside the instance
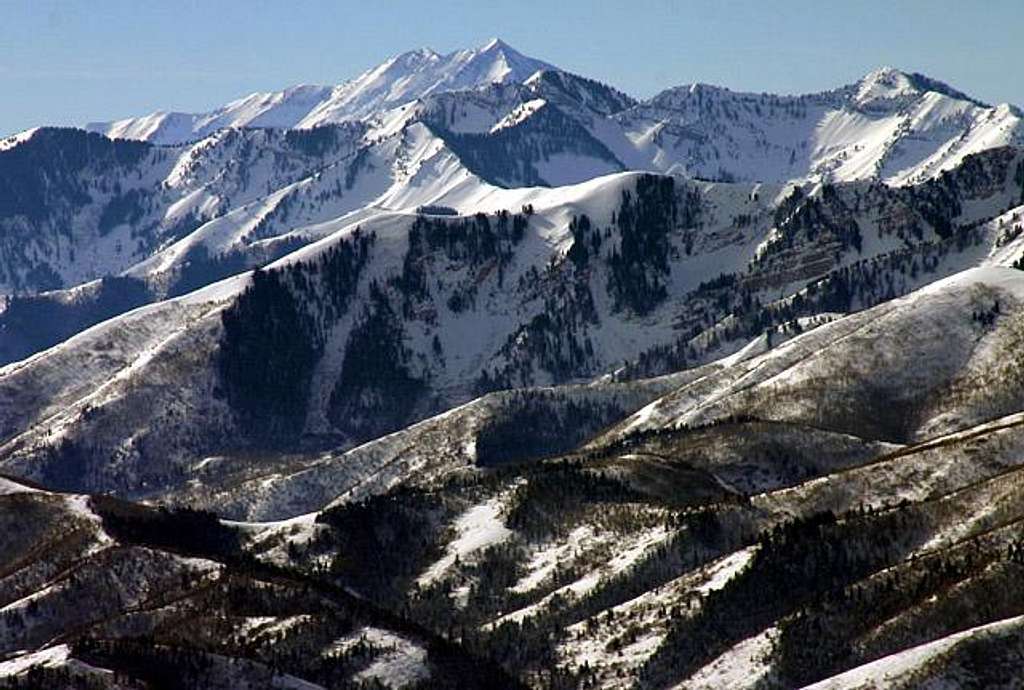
(721, 571)
(588, 641)
(628, 553)
(885, 125)
(51, 657)
(519, 114)
(15, 139)
(397, 81)
(59, 656)
(837, 139)
(906, 664)
(914, 322)
(883, 83)
(285, 681)
(402, 663)
(478, 528)
(254, 626)
(545, 560)
(881, 126)
(11, 487)
(78, 505)
(745, 665)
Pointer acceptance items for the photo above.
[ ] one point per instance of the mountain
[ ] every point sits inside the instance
(554, 128)
(889, 125)
(473, 372)
(195, 610)
(893, 125)
(760, 523)
(396, 81)
(393, 317)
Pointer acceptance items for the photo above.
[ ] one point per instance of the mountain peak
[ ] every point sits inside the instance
(493, 62)
(885, 83)
(888, 83)
(885, 73)
(496, 43)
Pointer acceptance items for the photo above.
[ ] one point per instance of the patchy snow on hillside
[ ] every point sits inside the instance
(746, 665)
(544, 560)
(478, 528)
(629, 552)
(50, 657)
(11, 487)
(911, 663)
(519, 114)
(621, 640)
(400, 663)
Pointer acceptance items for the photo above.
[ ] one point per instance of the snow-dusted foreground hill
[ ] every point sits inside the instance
(843, 509)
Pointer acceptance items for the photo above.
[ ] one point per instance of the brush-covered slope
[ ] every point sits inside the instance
(755, 545)
(723, 535)
(173, 595)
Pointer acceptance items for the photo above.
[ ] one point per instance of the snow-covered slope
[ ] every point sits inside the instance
(764, 544)
(757, 548)
(892, 125)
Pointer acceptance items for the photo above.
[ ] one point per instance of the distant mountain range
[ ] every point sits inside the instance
(473, 372)
(890, 124)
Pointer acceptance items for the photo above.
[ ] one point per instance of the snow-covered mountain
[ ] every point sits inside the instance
(892, 125)
(758, 522)
(396, 81)
(473, 372)
(625, 276)
(889, 125)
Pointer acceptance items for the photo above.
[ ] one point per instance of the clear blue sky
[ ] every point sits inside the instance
(75, 61)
